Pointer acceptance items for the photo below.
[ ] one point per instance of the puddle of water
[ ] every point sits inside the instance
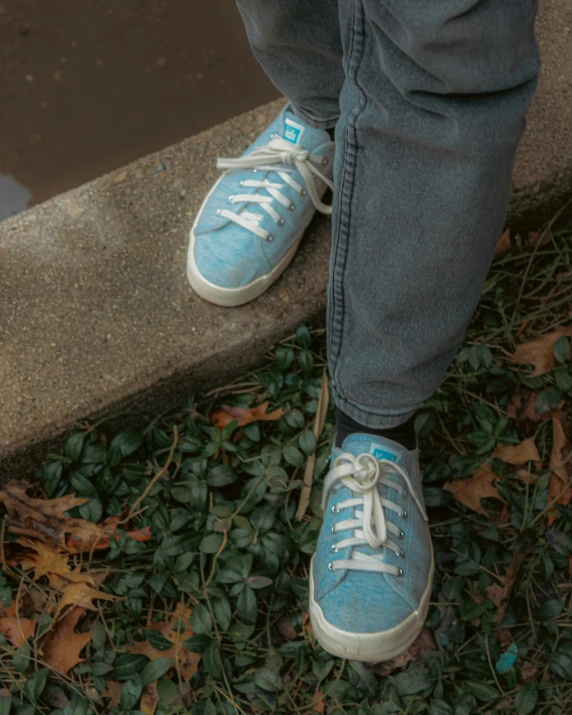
(86, 87)
(13, 196)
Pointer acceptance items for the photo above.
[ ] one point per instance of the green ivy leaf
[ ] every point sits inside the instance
(526, 699)
(200, 619)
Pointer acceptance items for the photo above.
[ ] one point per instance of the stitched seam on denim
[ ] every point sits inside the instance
(355, 57)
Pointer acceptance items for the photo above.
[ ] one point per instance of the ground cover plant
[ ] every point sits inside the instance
(164, 570)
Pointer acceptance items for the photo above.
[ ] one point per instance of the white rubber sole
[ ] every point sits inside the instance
(232, 297)
(368, 647)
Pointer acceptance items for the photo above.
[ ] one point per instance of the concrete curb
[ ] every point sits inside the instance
(96, 314)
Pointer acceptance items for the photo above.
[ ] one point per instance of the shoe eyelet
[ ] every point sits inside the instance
(402, 554)
(334, 549)
(324, 160)
(231, 199)
(403, 493)
(401, 534)
(280, 222)
(333, 530)
(255, 171)
(218, 212)
(404, 514)
(291, 207)
(303, 192)
(335, 509)
(274, 136)
(241, 183)
(330, 566)
(270, 237)
(400, 572)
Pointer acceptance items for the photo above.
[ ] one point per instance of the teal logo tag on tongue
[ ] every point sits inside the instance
(292, 131)
(380, 453)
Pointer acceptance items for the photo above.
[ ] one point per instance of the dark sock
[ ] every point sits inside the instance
(402, 434)
(332, 133)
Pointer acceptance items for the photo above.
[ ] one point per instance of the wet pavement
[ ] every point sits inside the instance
(87, 86)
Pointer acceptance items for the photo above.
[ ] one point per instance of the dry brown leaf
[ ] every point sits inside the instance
(559, 472)
(503, 636)
(47, 561)
(319, 421)
(504, 245)
(63, 645)
(319, 703)
(528, 671)
(81, 594)
(95, 537)
(187, 662)
(244, 415)
(46, 521)
(113, 692)
(518, 454)
(470, 491)
(287, 629)
(42, 511)
(532, 240)
(424, 643)
(500, 593)
(149, 699)
(17, 630)
(540, 352)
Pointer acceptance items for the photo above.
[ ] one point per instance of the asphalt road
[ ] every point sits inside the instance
(89, 85)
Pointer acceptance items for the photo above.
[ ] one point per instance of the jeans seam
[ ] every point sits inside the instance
(355, 56)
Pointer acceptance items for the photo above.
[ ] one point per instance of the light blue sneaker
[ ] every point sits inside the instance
(371, 575)
(249, 226)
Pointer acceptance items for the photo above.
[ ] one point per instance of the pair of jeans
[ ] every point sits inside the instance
(428, 100)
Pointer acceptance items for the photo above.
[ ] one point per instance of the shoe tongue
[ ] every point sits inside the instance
(298, 133)
(381, 448)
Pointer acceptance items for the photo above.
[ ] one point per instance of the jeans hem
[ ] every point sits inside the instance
(328, 123)
(368, 418)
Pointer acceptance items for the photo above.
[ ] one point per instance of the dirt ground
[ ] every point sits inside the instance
(89, 85)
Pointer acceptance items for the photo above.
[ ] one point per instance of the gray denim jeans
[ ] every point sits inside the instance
(428, 99)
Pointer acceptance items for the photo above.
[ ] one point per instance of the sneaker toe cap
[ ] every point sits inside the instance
(225, 262)
(363, 610)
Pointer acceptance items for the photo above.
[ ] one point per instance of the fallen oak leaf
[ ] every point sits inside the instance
(319, 703)
(470, 492)
(518, 454)
(244, 415)
(47, 561)
(559, 477)
(78, 543)
(13, 496)
(503, 246)
(540, 352)
(113, 691)
(17, 630)
(63, 645)
(81, 594)
(149, 699)
(181, 657)
(499, 593)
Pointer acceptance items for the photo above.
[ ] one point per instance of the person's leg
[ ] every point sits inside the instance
(299, 46)
(252, 221)
(432, 110)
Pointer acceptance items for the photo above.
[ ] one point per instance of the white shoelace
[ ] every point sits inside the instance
(363, 474)
(265, 158)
